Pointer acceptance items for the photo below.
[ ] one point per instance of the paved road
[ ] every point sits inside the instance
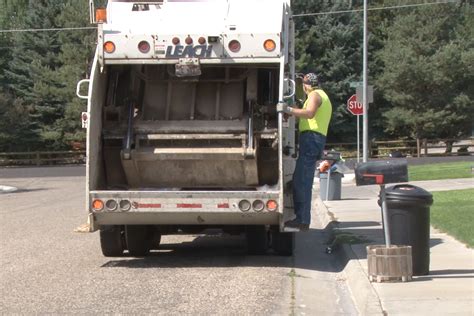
(47, 268)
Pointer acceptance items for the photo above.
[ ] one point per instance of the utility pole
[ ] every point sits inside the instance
(365, 129)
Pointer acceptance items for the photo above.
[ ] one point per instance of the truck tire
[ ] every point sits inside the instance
(283, 243)
(139, 240)
(257, 240)
(112, 240)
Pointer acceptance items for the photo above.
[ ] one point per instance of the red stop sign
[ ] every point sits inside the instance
(355, 107)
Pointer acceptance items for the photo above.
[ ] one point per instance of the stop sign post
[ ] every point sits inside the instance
(356, 108)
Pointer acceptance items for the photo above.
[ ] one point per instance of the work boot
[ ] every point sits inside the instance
(296, 226)
(304, 227)
(292, 226)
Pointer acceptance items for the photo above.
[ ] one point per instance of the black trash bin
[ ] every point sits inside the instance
(408, 209)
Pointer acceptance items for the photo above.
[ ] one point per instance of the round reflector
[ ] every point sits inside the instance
(188, 40)
(111, 205)
(202, 40)
(269, 45)
(125, 205)
(272, 205)
(97, 205)
(258, 205)
(144, 47)
(109, 47)
(175, 40)
(234, 46)
(244, 205)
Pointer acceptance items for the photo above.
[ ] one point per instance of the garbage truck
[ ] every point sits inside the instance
(183, 134)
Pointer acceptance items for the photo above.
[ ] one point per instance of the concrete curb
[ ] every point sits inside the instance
(7, 189)
(365, 297)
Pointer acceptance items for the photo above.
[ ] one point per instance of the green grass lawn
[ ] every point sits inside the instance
(437, 171)
(453, 213)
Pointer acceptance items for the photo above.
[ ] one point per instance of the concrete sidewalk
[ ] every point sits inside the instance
(447, 290)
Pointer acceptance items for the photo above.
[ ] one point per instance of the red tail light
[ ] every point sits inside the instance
(234, 46)
(272, 205)
(188, 40)
(144, 47)
(175, 41)
(202, 40)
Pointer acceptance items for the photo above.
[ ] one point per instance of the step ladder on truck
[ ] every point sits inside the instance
(182, 129)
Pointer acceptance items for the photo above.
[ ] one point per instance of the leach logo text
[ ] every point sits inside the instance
(180, 51)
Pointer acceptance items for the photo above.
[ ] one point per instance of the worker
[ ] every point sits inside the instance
(314, 120)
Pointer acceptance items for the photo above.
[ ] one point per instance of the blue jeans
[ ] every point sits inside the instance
(310, 151)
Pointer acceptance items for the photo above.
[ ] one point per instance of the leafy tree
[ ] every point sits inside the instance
(14, 124)
(31, 73)
(11, 14)
(331, 45)
(428, 77)
(75, 56)
(45, 66)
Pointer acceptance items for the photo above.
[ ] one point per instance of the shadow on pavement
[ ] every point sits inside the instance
(230, 251)
(446, 274)
(435, 242)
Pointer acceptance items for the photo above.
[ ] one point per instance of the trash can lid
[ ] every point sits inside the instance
(408, 192)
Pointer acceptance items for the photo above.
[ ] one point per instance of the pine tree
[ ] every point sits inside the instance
(331, 45)
(429, 74)
(15, 124)
(76, 57)
(31, 73)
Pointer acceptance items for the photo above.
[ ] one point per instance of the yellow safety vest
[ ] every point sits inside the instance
(320, 122)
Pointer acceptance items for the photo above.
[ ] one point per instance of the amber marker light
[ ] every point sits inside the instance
(272, 205)
(97, 205)
(269, 45)
(101, 15)
(109, 47)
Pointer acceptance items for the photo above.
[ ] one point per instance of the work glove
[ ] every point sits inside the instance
(283, 107)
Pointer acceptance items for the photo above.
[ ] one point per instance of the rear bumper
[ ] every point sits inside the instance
(184, 208)
(187, 218)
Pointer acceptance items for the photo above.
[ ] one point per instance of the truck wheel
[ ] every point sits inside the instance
(139, 239)
(112, 240)
(283, 243)
(257, 240)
